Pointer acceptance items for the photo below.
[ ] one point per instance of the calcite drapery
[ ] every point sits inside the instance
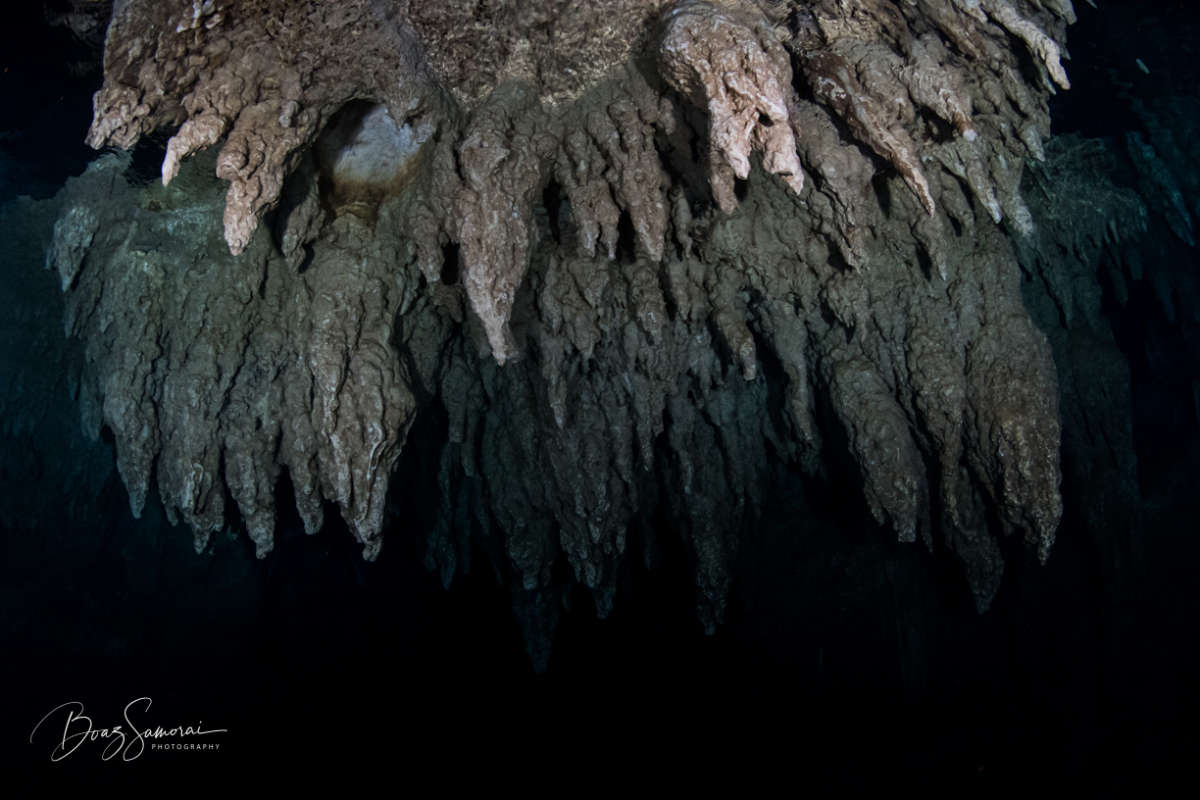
(571, 212)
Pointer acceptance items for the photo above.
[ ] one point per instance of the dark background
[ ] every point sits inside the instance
(847, 660)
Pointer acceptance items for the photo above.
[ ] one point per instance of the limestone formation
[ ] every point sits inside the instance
(738, 72)
(615, 192)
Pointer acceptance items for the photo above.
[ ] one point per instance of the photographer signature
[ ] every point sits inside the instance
(129, 740)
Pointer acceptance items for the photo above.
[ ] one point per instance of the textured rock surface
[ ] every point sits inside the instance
(43, 390)
(738, 72)
(217, 372)
(261, 78)
(683, 321)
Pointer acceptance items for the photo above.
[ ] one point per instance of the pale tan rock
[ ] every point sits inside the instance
(728, 62)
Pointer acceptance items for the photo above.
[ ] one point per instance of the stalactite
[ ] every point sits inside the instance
(546, 252)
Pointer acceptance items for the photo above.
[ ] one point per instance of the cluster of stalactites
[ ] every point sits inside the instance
(265, 79)
(218, 374)
(261, 79)
(929, 361)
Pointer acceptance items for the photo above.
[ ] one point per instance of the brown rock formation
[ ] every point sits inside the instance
(553, 153)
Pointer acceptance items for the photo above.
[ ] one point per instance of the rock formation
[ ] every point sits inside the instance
(634, 251)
